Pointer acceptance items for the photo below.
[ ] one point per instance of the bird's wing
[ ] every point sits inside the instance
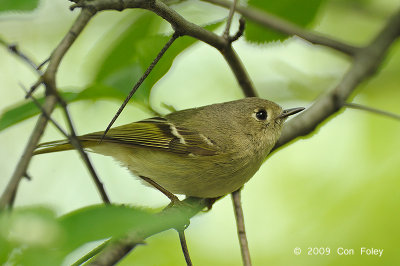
(158, 133)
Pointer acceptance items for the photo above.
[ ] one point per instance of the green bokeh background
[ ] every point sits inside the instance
(338, 187)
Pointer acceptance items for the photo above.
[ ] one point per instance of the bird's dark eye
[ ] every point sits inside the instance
(261, 115)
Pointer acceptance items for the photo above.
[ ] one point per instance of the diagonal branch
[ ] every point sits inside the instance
(141, 80)
(273, 22)
(183, 27)
(52, 98)
(22, 166)
(372, 110)
(366, 63)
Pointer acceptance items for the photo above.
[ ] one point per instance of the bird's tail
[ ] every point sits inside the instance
(53, 146)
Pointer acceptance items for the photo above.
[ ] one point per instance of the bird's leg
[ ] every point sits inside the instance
(181, 230)
(174, 199)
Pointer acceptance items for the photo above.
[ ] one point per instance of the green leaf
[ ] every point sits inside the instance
(301, 13)
(101, 222)
(26, 109)
(18, 5)
(42, 239)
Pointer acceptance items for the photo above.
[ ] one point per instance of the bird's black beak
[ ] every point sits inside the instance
(291, 111)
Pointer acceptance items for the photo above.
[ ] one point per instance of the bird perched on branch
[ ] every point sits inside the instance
(204, 152)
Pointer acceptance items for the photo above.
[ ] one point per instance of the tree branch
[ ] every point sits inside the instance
(58, 54)
(184, 247)
(241, 231)
(273, 22)
(229, 20)
(183, 27)
(366, 62)
(371, 110)
(48, 79)
(22, 166)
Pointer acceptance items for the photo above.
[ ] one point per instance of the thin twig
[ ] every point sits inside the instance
(244, 246)
(140, 81)
(229, 20)
(76, 143)
(221, 44)
(14, 49)
(184, 247)
(52, 97)
(43, 111)
(273, 22)
(239, 33)
(33, 88)
(43, 63)
(72, 138)
(372, 110)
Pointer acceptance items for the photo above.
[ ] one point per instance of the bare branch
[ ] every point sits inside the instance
(22, 166)
(372, 110)
(365, 64)
(62, 48)
(239, 33)
(184, 247)
(229, 20)
(43, 111)
(77, 145)
(14, 49)
(140, 81)
(273, 22)
(183, 27)
(244, 246)
(74, 141)
(240, 72)
(187, 28)
(48, 78)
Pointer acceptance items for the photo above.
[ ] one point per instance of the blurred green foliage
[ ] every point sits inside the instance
(20, 5)
(44, 239)
(301, 13)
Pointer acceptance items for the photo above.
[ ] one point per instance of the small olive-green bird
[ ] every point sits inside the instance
(204, 152)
